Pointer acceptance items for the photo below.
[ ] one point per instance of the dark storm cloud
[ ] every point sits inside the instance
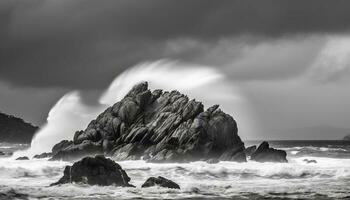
(86, 43)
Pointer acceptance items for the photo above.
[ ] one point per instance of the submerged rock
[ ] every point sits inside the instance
(12, 195)
(309, 161)
(213, 161)
(22, 158)
(96, 170)
(43, 155)
(160, 181)
(158, 127)
(266, 154)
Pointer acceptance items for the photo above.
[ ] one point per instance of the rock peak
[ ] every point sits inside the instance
(159, 127)
(138, 88)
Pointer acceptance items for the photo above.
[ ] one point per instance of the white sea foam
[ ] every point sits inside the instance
(197, 179)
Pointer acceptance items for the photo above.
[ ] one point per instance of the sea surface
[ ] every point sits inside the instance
(329, 178)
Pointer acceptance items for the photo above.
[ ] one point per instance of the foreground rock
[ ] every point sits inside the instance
(96, 170)
(159, 127)
(266, 154)
(22, 158)
(160, 181)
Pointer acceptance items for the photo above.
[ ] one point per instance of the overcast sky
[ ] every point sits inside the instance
(290, 59)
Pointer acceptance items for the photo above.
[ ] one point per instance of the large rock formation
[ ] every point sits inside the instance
(95, 171)
(266, 154)
(158, 126)
(15, 130)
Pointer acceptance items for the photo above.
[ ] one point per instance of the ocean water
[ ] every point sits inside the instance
(329, 178)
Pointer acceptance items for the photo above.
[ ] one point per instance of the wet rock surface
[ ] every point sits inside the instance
(266, 154)
(160, 181)
(43, 155)
(22, 158)
(158, 127)
(250, 150)
(96, 170)
(61, 146)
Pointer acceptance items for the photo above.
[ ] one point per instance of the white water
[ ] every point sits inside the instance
(200, 82)
(198, 179)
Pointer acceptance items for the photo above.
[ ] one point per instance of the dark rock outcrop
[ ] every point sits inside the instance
(61, 146)
(22, 158)
(266, 154)
(347, 138)
(96, 170)
(250, 150)
(43, 155)
(15, 130)
(159, 127)
(160, 181)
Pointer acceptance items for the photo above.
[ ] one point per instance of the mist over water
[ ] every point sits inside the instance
(202, 83)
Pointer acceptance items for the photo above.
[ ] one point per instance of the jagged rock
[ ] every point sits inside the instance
(61, 146)
(22, 158)
(74, 152)
(250, 150)
(160, 181)
(160, 126)
(96, 170)
(43, 155)
(266, 154)
(236, 155)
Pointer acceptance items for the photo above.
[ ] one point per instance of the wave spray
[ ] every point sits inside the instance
(204, 83)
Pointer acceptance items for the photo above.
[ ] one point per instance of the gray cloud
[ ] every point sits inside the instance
(84, 44)
(287, 57)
